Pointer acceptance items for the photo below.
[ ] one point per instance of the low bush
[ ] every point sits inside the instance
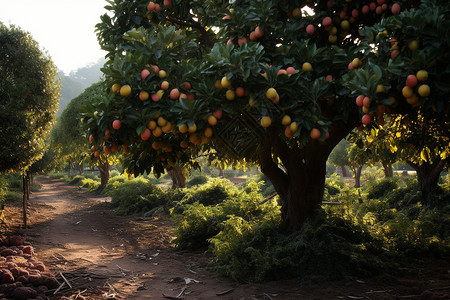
(90, 184)
(197, 180)
(380, 188)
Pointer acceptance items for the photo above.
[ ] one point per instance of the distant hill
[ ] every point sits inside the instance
(77, 81)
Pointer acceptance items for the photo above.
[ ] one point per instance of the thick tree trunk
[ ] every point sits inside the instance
(300, 182)
(428, 175)
(358, 176)
(177, 175)
(388, 170)
(345, 171)
(104, 173)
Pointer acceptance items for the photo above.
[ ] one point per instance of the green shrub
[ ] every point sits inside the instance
(11, 196)
(379, 189)
(258, 251)
(372, 174)
(3, 189)
(114, 173)
(90, 184)
(197, 180)
(76, 180)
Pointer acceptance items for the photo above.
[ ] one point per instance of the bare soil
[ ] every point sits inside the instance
(105, 256)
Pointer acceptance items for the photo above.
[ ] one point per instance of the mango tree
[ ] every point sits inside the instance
(278, 83)
(29, 94)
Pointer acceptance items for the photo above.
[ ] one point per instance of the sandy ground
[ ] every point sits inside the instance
(104, 256)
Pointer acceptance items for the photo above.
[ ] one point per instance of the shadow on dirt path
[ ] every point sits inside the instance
(105, 256)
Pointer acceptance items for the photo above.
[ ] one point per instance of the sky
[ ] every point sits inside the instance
(65, 29)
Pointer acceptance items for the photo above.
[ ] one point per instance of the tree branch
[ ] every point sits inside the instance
(196, 25)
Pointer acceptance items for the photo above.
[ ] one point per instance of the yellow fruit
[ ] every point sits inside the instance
(286, 120)
(332, 38)
(356, 62)
(165, 85)
(293, 127)
(380, 89)
(424, 90)
(413, 100)
(333, 31)
(125, 90)
(162, 74)
(183, 128)
(271, 93)
(160, 93)
(162, 121)
(266, 121)
(407, 92)
(230, 95)
(167, 128)
(345, 25)
(151, 125)
(251, 102)
(212, 120)
(413, 45)
(192, 128)
(307, 67)
(422, 75)
(208, 132)
(218, 84)
(225, 82)
(115, 88)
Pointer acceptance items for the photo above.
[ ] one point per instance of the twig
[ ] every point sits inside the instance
(65, 279)
(268, 198)
(59, 288)
(182, 292)
(267, 295)
(440, 288)
(170, 297)
(224, 292)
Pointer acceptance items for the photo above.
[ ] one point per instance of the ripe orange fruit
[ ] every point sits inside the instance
(422, 75)
(107, 134)
(288, 133)
(395, 9)
(271, 93)
(366, 102)
(286, 120)
(208, 132)
(155, 69)
(96, 154)
(93, 149)
(143, 95)
(355, 62)
(230, 95)
(157, 132)
(218, 84)
(293, 127)
(165, 85)
(212, 120)
(125, 90)
(240, 92)
(413, 100)
(161, 121)
(282, 72)
(407, 92)
(424, 90)
(242, 40)
(192, 128)
(91, 139)
(167, 128)
(151, 6)
(307, 67)
(107, 150)
(225, 82)
(155, 97)
(258, 32)
(115, 88)
(218, 114)
(186, 85)
(266, 121)
(114, 147)
(184, 144)
(151, 125)
(290, 70)
(183, 128)
(310, 29)
(125, 149)
(314, 134)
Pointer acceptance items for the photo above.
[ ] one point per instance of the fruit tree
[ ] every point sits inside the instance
(278, 83)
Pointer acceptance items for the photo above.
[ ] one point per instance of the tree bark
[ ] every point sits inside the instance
(428, 175)
(104, 173)
(26, 197)
(220, 172)
(300, 182)
(358, 176)
(177, 175)
(388, 170)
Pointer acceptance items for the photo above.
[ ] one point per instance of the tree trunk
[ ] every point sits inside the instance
(220, 172)
(345, 171)
(177, 175)
(26, 197)
(428, 175)
(300, 182)
(81, 168)
(358, 176)
(388, 170)
(104, 173)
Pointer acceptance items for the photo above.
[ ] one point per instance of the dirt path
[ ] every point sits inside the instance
(105, 256)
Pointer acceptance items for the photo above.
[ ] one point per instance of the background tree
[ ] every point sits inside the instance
(339, 157)
(264, 81)
(29, 93)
